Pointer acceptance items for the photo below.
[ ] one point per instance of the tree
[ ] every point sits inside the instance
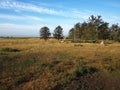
(58, 32)
(84, 28)
(91, 33)
(45, 33)
(103, 32)
(97, 21)
(95, 28)
(115, 32)
(78, 32)
(71, 33)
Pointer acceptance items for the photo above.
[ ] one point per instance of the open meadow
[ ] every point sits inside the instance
(35, 64)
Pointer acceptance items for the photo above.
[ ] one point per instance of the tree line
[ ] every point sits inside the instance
(93, 29)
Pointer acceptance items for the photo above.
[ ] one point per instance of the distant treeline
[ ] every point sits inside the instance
(93, 29)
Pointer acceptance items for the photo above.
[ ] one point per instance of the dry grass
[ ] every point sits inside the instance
(47, 65)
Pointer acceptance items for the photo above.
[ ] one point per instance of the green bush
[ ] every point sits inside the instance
(78, 45)
(85, 41)
(84, 70)
(55, 62)
(10, 50)
(22, 79)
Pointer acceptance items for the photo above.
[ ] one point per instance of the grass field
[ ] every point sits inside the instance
(33, 64)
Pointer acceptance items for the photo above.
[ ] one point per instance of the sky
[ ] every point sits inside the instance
(26, 17)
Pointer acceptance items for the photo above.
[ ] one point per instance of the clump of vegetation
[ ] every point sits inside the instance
(22, 79)
(78, 45)
(54, 62)
(10, 50)
(84, 71)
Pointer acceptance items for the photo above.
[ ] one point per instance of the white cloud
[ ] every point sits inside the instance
(70, 13)
(27, 7)
(21, 6)
(14, 17)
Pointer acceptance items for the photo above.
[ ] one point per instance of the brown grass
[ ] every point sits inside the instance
(47, 65)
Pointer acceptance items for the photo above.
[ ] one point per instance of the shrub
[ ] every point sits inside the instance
(78, 45)
(22, 79)
(84, 70)
(55, 62)
(95, 41)
(10, 50)
(85, 41)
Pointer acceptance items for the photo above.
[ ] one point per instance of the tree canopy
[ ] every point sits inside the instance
(58, 32)
(93, 29)
(45, 32)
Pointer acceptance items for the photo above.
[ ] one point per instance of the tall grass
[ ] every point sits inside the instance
(33, 63)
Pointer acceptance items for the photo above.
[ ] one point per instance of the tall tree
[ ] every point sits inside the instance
(91, 33)
(95, 28)
(115, 32)
(45, 32)
(97, 21)
(103, 32)
(84, 28)
(58, 32)
(78, 31)
(71, 34)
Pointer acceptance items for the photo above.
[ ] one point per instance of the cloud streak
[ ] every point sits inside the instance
(14, 17)
(27, 7)
(20, 6)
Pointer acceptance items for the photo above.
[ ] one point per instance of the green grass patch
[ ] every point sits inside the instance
(9, 50)
(27, 63)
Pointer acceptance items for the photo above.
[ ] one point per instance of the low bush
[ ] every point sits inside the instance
(22, 79)
(55, 62)
(10, 50)
(85, 41)
(84, 70)
(78, 45)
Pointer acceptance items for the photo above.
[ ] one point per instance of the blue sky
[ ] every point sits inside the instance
(26, 17)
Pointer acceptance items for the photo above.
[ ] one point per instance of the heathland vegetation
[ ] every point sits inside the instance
(79, 63)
